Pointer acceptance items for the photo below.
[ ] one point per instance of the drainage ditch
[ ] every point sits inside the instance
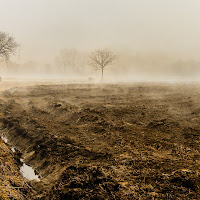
(27, 171)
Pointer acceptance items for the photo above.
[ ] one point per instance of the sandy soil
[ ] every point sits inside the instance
(107, 141)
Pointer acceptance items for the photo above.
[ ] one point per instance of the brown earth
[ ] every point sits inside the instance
(12, 184)
(107, 141)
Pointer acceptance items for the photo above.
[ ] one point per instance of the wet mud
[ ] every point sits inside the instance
(107, 141)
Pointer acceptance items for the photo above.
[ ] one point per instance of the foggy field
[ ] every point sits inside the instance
(99, 100)
(107, 141)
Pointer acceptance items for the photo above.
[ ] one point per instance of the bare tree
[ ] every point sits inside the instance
(99, 59)
(7, 45)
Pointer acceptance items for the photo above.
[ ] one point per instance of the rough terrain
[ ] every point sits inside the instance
(107, 141)
(12, 184)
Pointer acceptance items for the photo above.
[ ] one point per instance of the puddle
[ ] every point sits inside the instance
(28, 172)
(13, 149)
(4, 139)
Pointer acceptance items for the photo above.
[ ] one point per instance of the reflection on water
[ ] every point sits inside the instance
(4, 139)
(13, 149)
(28, 172)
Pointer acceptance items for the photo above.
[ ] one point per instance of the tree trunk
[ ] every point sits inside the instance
(102, 74)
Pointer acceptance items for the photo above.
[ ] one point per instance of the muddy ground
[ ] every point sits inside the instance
(107, 141)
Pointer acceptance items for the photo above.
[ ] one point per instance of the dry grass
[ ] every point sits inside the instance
(12, 184)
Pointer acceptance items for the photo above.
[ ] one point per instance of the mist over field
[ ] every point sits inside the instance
(99, 99)
(153, 40)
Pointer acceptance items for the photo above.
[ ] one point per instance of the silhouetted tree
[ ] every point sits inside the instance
(99, 59)
(67, 60)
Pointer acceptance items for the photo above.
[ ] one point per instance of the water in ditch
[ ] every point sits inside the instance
(26, 171)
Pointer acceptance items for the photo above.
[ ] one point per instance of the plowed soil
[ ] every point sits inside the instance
(107, 141)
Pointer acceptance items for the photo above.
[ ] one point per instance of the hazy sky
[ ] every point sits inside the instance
(43, 27)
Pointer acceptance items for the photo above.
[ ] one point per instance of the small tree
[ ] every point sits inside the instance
(7, 45)
(100, 59)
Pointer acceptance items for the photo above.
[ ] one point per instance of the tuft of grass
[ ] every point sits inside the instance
(12, 184)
